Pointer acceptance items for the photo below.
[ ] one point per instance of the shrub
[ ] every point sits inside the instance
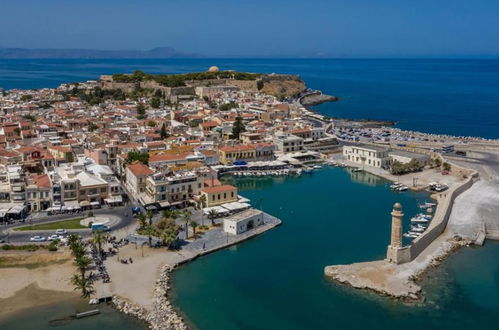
(52, 247)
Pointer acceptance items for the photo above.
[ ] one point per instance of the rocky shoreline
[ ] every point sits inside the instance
(162, 314)
(316, 99)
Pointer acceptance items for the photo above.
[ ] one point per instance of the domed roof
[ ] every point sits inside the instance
(397, 206)
(213, 69)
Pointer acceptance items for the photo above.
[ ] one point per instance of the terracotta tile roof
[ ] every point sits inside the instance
(139, 169)
(42, 180)
(218, 189)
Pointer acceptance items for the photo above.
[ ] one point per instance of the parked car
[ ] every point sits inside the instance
(54, 237)
(61, 232)
(37, 239)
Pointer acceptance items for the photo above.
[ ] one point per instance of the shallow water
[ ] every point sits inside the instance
(54, 316)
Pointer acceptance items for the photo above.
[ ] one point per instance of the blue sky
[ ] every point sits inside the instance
(227, 28)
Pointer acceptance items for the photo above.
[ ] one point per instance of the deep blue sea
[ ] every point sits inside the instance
(459, 97)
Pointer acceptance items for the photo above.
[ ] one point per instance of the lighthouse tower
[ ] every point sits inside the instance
(395, 249)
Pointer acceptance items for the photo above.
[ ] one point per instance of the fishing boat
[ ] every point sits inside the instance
(356, 170)
(427, 205)
(419, 220)
(317, 167)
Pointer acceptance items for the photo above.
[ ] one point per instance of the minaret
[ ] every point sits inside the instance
(394, 253)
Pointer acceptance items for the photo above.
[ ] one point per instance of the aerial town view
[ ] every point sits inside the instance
(229, 187)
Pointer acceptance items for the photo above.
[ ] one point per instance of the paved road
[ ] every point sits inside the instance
(122, 218)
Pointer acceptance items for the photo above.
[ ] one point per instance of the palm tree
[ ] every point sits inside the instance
(82, 263)
(202, 205)
(142, 220)
(98, 238)
(194, 224)
(150, 231)
(168, 237)
(150, 215)
(212, 215)
(83, 284)
(186, 216)
(77, 248)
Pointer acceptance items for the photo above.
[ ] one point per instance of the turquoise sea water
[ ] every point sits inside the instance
(459, 97)
(276, 281)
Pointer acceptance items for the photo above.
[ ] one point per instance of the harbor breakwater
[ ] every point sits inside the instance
(399, 279)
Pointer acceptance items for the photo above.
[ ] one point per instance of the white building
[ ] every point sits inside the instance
(367, 155)
(241, 222)
(288, 143)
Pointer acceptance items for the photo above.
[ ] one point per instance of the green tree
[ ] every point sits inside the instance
(141, 111)
(150, 231)
(194, 225)
(151, 123)
(98, 238)
(26, 98)
(446, 166)
(212, 215)
(142, 220)
(201, 206)
(142, 157)
(155, 102)
(186, 216)
(162, 133)
(82, 284)
(238, 127)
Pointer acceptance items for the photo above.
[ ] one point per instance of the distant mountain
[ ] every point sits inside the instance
(159, 52)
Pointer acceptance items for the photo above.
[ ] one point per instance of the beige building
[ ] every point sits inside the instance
(38, 192)
(136, 175)
(367, 155)
(219, 195)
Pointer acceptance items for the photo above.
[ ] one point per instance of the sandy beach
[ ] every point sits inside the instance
(32, 279)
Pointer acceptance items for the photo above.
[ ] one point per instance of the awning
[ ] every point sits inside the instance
(72, 205)
(113, 199)
(84, 203)
(94, 203)
(217, 209)
(164, 204)
(242, 199)
(234, 206)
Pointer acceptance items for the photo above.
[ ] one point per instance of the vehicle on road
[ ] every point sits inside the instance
(54, 237)
(100, 227)
(37, 239)
(61, 232)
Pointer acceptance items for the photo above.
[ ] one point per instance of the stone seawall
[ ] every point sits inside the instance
(440, 219)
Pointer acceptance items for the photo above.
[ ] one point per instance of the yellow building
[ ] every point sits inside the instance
(219, 195)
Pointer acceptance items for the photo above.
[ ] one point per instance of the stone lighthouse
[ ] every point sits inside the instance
(396, 252)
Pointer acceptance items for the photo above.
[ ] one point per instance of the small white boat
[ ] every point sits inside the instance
(419, 220)
(401, 188)
(418, 229)
(427, 205)
(395, 185)
(356, 170)
(317, 167)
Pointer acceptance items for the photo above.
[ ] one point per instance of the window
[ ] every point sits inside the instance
(103, 190)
